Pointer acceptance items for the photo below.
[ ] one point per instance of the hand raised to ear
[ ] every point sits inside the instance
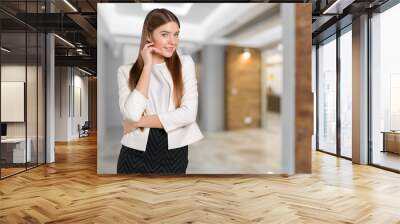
(155, 50)
(147, 52)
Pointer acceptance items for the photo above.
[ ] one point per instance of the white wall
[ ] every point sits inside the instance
(66, 121)
(288, 94)
(314, 91)
(271, 78)
(130, 52)
(33, 125)
(211, 84)
(61, 104)
(17, 73)
(110, 55)
(14, 73)
(272, 68)
(109, 131)
(79, 117)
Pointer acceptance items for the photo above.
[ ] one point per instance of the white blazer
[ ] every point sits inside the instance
(179, 123)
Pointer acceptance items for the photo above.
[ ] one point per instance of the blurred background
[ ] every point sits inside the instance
(237, 49)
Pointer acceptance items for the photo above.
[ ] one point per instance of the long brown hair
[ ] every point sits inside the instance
(154, 19)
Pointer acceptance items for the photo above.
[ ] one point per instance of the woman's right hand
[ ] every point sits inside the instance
(129, 126)
(147, 53)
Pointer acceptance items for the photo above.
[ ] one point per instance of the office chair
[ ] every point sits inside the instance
(84, 130)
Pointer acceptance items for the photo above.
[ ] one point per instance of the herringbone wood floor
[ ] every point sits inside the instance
(70, 191)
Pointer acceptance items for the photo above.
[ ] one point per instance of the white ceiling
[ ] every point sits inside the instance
(195, 15)
(204, 23)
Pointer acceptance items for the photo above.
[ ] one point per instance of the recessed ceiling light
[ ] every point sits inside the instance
(180, 10)
(246, 54)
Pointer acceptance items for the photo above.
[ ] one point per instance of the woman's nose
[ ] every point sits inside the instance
(171, 40)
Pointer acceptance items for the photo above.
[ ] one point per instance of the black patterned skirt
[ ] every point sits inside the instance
(157, 159)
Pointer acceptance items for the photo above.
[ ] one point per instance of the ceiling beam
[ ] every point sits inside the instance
(88, 29)
(337, 7)
(84, 61)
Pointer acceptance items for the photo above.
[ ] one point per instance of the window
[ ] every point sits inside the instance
(327, 96)
(385, 89)
(346, 92)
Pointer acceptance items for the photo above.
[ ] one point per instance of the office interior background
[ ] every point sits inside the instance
(335, 67)
(49, 121)
(29, 57)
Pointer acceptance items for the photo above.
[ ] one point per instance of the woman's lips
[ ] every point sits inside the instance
(169, 49)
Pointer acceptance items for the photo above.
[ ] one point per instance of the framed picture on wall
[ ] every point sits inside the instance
(12, 101)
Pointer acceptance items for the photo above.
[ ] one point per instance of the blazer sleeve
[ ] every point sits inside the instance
(187, 112)
(132, 103)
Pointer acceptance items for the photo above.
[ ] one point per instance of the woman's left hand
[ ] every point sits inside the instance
(129, 126)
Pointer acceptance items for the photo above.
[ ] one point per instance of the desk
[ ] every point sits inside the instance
(13, 150)
(391, 141)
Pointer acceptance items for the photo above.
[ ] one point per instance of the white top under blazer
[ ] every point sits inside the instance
(179, 123)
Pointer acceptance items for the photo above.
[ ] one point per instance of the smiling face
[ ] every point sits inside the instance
(166, 38)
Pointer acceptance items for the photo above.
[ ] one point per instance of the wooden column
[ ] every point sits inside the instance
(304, 97)
(242, 89)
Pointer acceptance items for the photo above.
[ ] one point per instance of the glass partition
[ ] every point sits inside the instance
(22, 88)
(13, 92)
(41, 79)
(327, 95)
(346, 93)
(31, 99)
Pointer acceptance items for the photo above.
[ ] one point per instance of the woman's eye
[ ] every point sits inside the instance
(164, 35)
(176, 35)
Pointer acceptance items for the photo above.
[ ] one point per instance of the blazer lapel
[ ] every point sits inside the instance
(168, 77)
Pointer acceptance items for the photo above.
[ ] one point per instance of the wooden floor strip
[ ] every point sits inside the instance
(70, 191)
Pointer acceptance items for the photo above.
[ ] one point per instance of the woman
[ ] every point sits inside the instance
(158, 99)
